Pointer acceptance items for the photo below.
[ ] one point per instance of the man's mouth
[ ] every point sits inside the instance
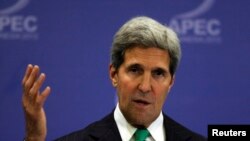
(142, 102)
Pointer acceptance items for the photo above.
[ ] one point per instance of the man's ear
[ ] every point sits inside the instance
(171, 83)
(113, 75)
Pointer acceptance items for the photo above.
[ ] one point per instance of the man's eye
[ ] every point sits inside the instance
(158, 73)
(134, 69)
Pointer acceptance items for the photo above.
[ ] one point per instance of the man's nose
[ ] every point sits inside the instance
(145, 85)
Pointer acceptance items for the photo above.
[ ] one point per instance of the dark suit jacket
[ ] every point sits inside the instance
(107, 130)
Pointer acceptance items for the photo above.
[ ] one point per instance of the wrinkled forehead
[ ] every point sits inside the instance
(150, 56)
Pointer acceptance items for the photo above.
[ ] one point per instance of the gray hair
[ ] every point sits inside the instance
(148, 33)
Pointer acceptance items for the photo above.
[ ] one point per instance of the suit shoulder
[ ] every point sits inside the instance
(176, 131)
(93, 131)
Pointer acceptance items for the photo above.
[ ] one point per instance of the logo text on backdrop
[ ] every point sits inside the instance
(15, 26)
(193, 28)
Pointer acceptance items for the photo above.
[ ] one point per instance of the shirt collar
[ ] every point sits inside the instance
(127, 131)
(156, 129)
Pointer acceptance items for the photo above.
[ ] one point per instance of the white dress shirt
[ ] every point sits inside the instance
(156, 128)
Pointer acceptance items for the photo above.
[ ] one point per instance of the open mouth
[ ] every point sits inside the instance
(141, 102)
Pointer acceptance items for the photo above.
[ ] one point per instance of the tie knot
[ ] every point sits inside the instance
(141, 134)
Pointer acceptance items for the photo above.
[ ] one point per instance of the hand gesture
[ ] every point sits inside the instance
(33, 101)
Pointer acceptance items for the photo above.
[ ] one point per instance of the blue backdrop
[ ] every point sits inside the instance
(70, 41)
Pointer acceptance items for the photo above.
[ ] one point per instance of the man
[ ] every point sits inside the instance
(144, 58)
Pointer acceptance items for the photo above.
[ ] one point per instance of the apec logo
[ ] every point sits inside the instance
(17, 27)
(192, 29)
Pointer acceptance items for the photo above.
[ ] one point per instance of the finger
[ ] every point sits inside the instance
(34, 91)
(27, 73)
(31, 79)
(44, 95)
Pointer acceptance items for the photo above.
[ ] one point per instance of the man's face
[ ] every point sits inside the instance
(142, 82)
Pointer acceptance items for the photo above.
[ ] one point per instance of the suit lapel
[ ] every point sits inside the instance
(174, 131)
(106, 129)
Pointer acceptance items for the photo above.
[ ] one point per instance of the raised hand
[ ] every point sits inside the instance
(33, 100)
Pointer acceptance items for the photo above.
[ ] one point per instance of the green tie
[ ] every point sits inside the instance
(141, 134)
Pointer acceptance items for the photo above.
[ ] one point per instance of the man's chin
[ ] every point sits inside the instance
(140, 120)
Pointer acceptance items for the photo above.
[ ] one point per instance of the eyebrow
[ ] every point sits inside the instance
(134, 65)
(166, 70)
